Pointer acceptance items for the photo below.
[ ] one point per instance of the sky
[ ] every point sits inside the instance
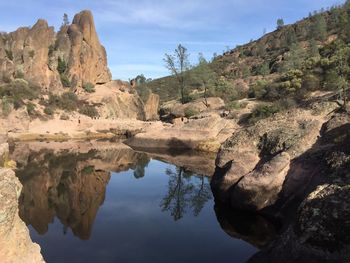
(137, 33)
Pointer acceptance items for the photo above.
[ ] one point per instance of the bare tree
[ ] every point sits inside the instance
(178, 64)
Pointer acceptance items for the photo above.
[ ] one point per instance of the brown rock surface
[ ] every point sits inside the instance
(33, 53)
(15, 243)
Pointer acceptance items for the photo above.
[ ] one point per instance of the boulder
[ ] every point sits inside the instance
(151, 107)
(15, 243)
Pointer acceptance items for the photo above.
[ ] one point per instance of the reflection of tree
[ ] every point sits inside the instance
(185, 190)
(202, 195)
(141, 164)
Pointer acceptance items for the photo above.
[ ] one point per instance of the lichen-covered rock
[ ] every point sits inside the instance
(250, 152)
(324, 218)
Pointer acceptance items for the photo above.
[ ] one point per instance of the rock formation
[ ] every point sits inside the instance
(34, 54)
(15, 243)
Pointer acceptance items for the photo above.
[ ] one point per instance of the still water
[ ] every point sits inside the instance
(121, 206)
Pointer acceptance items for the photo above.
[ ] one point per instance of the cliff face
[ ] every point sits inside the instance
(43, 57)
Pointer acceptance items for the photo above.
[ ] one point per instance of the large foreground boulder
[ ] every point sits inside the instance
(15, 243)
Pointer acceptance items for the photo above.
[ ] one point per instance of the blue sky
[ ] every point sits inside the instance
(137, 33)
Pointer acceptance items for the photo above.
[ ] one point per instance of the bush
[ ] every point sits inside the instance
(5, 106)
(30, 108)
(9, 54)
(233, 105)
(31, 53)
(64, 117)
(143, 92)
(65, 81)
(68, 101)
(49, 110)
(19, 90)
(189, 112)
(262, 111)
(61, 65)
(89, 87)
(89, 110)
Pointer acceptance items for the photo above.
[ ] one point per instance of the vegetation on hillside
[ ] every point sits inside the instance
(280, 68)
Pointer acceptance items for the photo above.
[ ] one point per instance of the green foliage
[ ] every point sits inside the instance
(189, 112)
(61, 66)
(280, 23)
(262, 69)
(262, 111)
(31, 53)
(89, 110)
(88, 170)
(144, 92)
(318, 28)
(18, 91)
(294, 58)
(65, 81)
(30, 108)
(258, 90)
(89, 87)
(178, 65)
(5, 106)
(233, 105)
(9, 54)
(49, 110)
(67, 101)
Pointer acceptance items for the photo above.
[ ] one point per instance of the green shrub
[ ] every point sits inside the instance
(189, 112)
(143, 92)
(31, 53)
(65, 81)
(89, 87)
(64, 117)
(68, 101)
(5, 106)
(30, 108)
(9, 54)
(49, 110)
(61, 65)
(18, 91)
(262, 111)
(89, 110)
(233, 105)
(88, 170)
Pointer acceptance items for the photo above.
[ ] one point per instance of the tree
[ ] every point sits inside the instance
(318, 29)
(280, 23)
(65, 20)
(140, 79)
(205, 75)
(178, 65)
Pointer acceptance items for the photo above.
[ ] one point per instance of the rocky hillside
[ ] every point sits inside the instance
(287, 63)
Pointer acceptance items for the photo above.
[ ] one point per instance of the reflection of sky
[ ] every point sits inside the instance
(130, 227)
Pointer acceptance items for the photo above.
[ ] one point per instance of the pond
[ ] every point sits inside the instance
(103, 204)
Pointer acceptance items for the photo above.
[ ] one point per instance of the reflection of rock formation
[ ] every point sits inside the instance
(197, 162)
(67, 184)
(252, 228)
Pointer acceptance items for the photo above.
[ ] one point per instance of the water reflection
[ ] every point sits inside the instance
(69, 189)
(253, 228)
(70, 185)
(184, 193)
